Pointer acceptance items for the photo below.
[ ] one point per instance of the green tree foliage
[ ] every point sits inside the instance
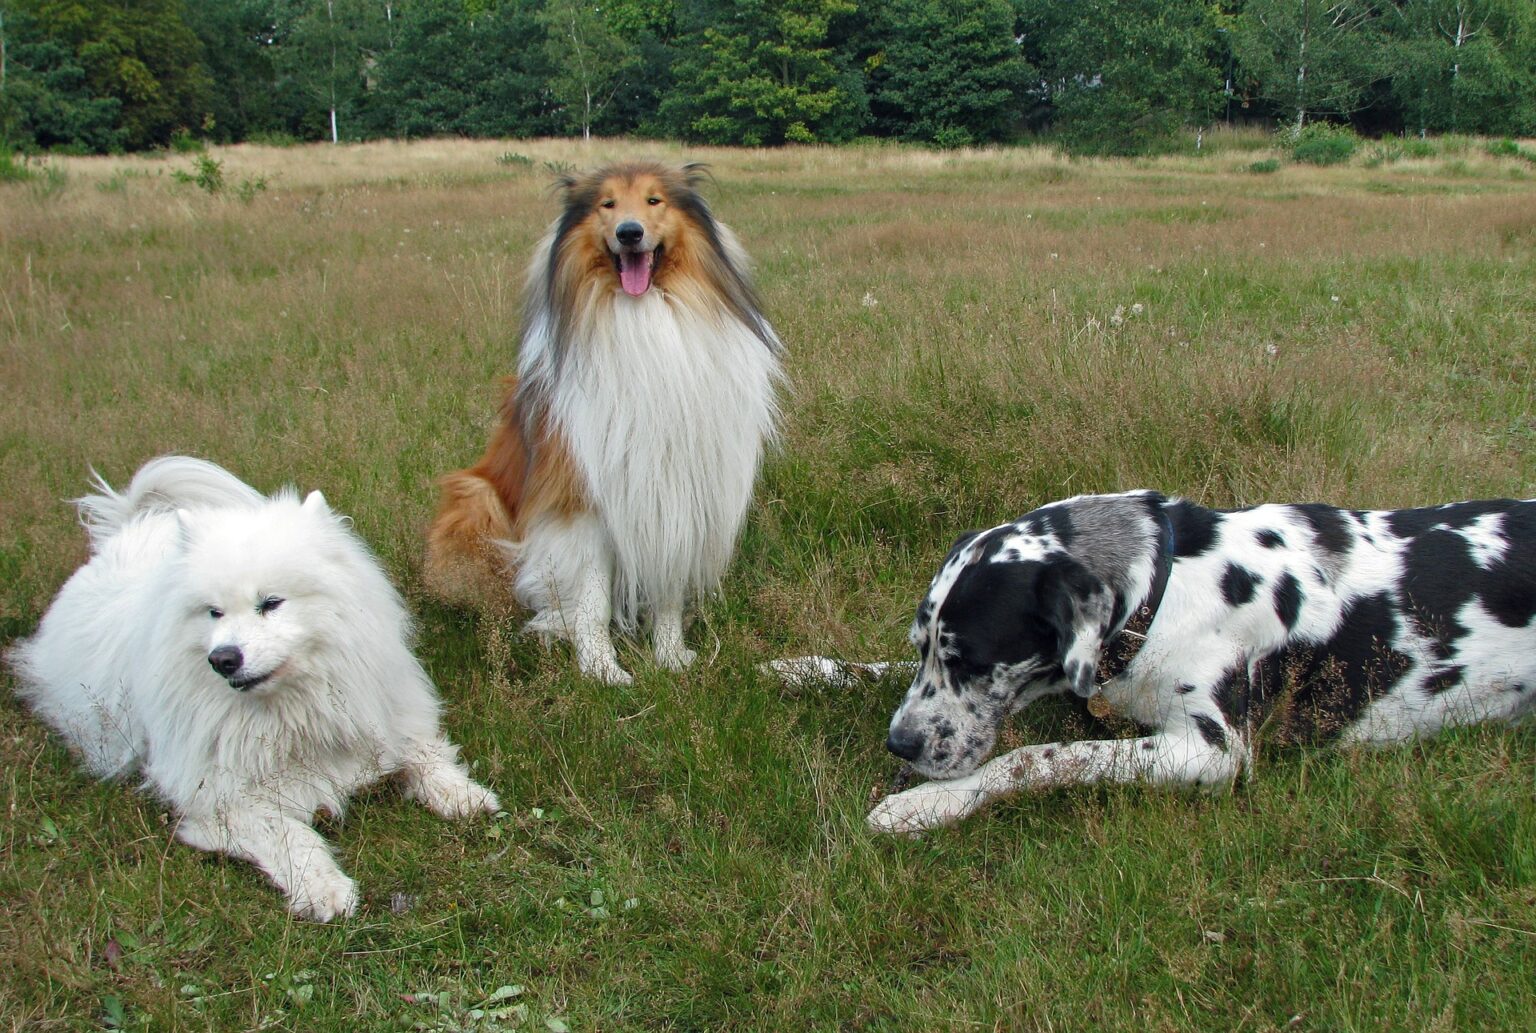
(244, 97)
(1104, 76)
(461, 72)
(141, 54)
(1313, 58)
(327, 49)
(1124, 75)
(946, 71)
(759, 72)
(46, 101)
(1465, 65)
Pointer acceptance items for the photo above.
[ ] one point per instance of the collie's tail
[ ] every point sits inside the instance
(470, 544)
(164, 484)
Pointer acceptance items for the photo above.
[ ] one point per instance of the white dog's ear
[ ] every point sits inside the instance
(1080, 606)
(314, 502)
(184, 524)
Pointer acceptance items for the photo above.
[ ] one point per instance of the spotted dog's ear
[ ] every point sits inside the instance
(1080, 607)
(959, 543)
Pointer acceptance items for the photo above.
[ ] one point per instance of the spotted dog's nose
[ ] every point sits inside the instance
(630, 233)
(905, 744)
(226, 660)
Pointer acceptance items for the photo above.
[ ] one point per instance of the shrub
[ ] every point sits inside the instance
(183, 142)
(207, 174)
(1321, 143)
(1266, 166)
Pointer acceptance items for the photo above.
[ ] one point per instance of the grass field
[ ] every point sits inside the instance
(971, 334)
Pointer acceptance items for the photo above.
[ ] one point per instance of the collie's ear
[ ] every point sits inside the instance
(695, 173)
(1079, 606)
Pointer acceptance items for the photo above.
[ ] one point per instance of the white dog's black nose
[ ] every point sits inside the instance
(226, 660)
(905, 744)
(630, 233)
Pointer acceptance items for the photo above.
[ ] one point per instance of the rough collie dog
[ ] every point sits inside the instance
(622, 464)
(249, 657)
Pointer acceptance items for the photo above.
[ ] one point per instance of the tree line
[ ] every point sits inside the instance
(1096, 76)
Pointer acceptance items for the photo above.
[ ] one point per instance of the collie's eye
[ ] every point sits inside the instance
(653, 200)
(269, 604)
(609, 203)
(215, 612)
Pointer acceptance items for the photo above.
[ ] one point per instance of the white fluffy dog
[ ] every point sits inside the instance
(250, 658)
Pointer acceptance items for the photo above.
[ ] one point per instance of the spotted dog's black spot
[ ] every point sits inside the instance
(929, 691)
(1194, 528)
(1234, 698)
(1149, 745)
(1445, 678)
(1048, 752)
(1509, 585)
(1439, 577)
(1057, 521)
(1211, 731)
(1270, 539)
(1323, 688)
(991, 544)
(1288, 600)
(1330, 530)
(1410, 523)
(1238, 584)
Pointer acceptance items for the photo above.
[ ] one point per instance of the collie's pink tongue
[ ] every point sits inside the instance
(635, 271)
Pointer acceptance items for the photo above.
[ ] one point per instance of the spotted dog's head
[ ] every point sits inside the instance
(1019, 612)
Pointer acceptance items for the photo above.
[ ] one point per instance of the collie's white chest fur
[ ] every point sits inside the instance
(666, 413)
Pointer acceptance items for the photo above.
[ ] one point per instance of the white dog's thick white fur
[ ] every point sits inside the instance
(249, 657)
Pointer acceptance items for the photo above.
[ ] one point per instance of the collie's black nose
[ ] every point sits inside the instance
(226, 660)
(906, 745)
(630, 233)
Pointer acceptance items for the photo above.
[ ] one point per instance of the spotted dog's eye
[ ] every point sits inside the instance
(269, 604)
(610, 203)
(653, 201)
(215, 612)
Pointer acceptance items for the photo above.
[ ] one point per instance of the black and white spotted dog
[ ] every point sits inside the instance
(1314, 623)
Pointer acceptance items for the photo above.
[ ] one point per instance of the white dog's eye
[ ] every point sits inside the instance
(269, 604)
(215, 612)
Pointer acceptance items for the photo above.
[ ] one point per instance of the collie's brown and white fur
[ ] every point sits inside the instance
(622, 465)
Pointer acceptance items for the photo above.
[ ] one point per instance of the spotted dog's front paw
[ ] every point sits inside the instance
(927, 806)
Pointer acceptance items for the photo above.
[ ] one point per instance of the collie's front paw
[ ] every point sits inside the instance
(324, 896)
(675, 657)
(927, 806)
(605, 669)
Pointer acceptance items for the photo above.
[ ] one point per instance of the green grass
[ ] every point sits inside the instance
(971, 333)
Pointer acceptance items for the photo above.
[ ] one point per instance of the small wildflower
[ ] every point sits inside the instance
(1271, 350)
(1335, 299)
(869, 300)
(1118, 317)
(1137, 309)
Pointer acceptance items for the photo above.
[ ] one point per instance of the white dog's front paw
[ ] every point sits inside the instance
(321, 898)
(927, 806)
(450, 794)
